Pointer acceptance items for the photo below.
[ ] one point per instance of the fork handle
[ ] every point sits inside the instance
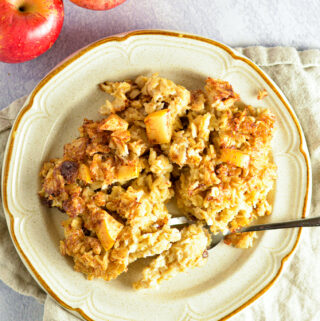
(305, 222)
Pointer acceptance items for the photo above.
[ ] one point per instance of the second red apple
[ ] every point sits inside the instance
(98, 4)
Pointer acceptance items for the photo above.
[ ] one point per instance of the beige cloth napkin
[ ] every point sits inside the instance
(296, 295)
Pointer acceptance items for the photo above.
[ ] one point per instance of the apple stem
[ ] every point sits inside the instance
(22, 8)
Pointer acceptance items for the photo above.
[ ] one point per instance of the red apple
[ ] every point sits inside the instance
(28, 28)
(98, 4)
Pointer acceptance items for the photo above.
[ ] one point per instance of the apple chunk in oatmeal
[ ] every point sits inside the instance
(157, 140)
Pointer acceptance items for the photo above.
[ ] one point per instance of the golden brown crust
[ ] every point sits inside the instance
(76, 150)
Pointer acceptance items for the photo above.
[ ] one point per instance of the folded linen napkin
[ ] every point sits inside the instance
(295, 295)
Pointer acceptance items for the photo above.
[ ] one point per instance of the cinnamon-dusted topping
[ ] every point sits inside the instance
(220, 91)
(77, 149)
(74, 206)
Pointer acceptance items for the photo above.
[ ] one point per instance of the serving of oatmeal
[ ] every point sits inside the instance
(157, 141)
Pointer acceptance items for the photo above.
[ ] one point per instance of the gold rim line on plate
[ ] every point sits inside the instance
(121, 38)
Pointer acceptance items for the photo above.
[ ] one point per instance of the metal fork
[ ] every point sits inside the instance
(217, 238)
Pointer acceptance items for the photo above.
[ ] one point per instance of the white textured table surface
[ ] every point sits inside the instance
(236, 23)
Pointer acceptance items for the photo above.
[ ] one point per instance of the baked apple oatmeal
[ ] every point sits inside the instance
(157, 140)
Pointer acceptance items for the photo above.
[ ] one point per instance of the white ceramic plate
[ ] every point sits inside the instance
(232, 278)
